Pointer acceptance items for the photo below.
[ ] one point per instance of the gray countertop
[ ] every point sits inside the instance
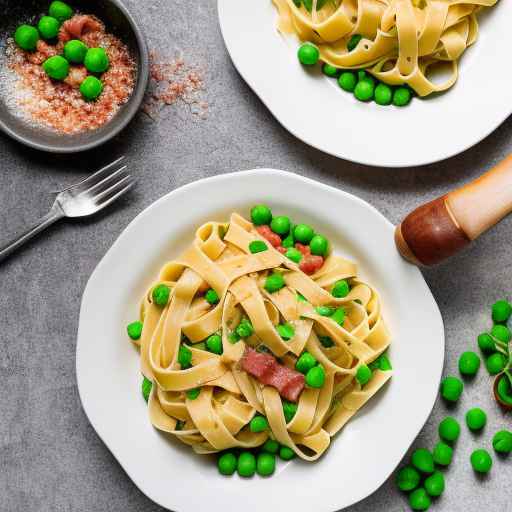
(50, 457)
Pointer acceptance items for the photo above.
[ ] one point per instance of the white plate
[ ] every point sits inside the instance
(314, 109)
(362, 456)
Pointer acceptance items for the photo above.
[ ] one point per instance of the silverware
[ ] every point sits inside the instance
(80, 200)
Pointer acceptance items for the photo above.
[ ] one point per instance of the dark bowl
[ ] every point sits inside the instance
(118, 21)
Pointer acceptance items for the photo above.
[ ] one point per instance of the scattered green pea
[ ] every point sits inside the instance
(326, 341)
(364, 90)
(161, 295)
(257, 246)
(325, 310)
(363, 375)
(495, 363)
(286, 331)
(402, 97)
(146, 388)
(476, 419)
(442, 454)
(274, 282)
(363, 75)
(451, 388)
(261, 214)
(212, 297)
(74, 51)
(96, 60)
(48, 27)
(56, 67)
(303, 233)
(245, 329)
(502, 441)
(501, 311)
(383, 94)
(26, 37)
(286, 453)
(246, 465)
(305, 362)
(91, 88)
(504, 390)
(481, 461)
(353, 42)
(271, 446)
(449, 429)
(419, 499)
(135, 330)
(192, 394)
(258, 424)
(319, 245)
(486, 343)
(339, 316)
(184, 357)
(423, 460)
(315, 378)
(280, 225)
(347, 81)
(265, 464)
(227, 463)
(308, 54)
(288, 241)
(214, 344)
(60, 10)
(340, 289)
(293, 254)
(469, 364)
(407, 479)
(501, 333)
(434, 484)
(289, 410)
(330, 71)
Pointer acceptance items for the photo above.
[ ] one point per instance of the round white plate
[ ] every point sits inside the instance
(362, 456)
(314, 109)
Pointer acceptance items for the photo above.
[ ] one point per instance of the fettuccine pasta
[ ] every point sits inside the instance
(209, 401)
(403, 41)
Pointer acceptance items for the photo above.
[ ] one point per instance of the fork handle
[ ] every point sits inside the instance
(52, 216)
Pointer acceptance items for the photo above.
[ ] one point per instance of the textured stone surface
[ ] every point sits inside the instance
(50, 457)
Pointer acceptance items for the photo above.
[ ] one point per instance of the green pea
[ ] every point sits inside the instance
(308, 54)
(246, 466)
(481, 461)
(48, 27)
(326, 341)
(434, 484)
(288, 241)
(56, 67)
(449, 429)
(363, 375)
(476, 419)
(364, 90)
(442, 454)
(353, 42)
(286, 453)
(60, 10)
(501, 333)
(258, 424)
(469, 364)
(261, 214)
(227, 463)
(96, 60)
(308, 4)
(245, 329)
(234, 337)
(419, 499)
(451, 388)
(293, 254)
(340, 289)
(407, 479)
(423, 460)
(280, 225)
(301, 298)
(383, 94)
(384, 363)
(134, 330)
(347, 81)
(502, 441)
(146, 388)
(486, 343)
(91, 88)
(495, 363)
(286, 331)
(192, 394)
(330, 71)
(362, 76)
(26, 37)
(274, 282)
(402, 97)
(289, 410)
(265, 464)
(501, 311)
(325, 310)
(184, 357)
(315, 378)
(74, 51)
(271, 446)
(339, 316)
(257, 246)
(319, 245)
(212, 297)
(504, 390)
(305, 362)
(303, 233)
(161, 295)
(214, 344)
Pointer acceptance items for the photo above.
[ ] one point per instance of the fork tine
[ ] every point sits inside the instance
(114, 192)
(106, 191)
(105, 182)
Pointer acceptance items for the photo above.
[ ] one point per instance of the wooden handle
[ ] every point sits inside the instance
(439, 229)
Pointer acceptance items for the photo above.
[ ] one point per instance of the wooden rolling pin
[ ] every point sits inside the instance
(441, 228)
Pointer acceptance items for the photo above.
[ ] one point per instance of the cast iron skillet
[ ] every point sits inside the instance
(118, 21)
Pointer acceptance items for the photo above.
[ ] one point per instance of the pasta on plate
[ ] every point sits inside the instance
(209, 403)
(403, 41)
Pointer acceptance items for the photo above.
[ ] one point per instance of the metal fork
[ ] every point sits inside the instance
(80, 200)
